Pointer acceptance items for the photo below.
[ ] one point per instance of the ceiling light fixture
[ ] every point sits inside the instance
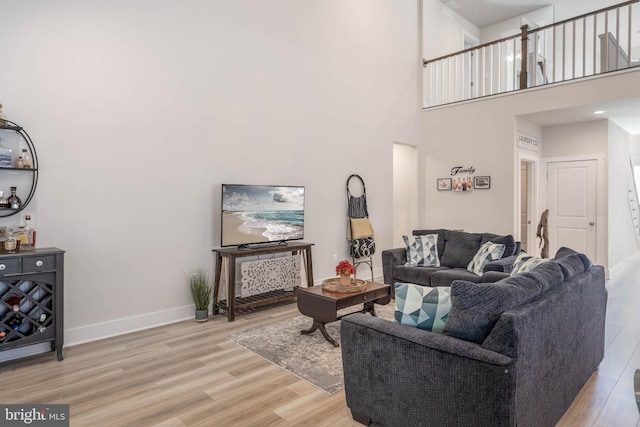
(599, 112)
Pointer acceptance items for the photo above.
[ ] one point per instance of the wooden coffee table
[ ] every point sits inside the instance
(322, 306)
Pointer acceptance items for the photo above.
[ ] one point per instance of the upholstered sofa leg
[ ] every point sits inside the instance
(361, 418)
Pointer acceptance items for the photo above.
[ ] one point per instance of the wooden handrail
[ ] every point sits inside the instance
(472, 49)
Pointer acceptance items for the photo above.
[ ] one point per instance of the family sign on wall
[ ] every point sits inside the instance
(461, 180)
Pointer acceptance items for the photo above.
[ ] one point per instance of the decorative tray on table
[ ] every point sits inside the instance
(333, 285)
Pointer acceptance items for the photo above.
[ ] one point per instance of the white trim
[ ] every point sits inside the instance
(623, 265)
(533, 193)
(125, 325)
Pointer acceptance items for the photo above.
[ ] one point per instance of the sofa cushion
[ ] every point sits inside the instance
(525, 262)
(508, 241)
(422, 307)
(476, 307)
(419, 275)
(422, 251)
(439, 232)
(564, 251)
(548, 274)
(488, 252)
(570, 265)
(459, 248)
(444, 277)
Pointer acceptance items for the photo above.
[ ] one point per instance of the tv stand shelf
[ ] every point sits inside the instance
(228, 256)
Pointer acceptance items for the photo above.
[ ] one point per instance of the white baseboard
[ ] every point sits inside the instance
(623, 265)
(98, 331)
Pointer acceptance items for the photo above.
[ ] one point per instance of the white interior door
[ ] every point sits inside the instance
(572, 205)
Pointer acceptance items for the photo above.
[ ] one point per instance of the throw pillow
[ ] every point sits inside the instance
(422, 307)
(488, 252)
(422, 251)
(525, 262)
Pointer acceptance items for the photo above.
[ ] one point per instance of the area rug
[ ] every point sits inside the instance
(309, 357)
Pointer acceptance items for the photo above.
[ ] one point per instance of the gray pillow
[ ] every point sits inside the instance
(439, 232)
(459, 248)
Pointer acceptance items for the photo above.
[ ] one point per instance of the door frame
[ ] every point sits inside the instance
(602, 197)
(532, 196)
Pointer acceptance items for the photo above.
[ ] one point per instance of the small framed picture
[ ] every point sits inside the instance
(444, 184)
(482, 182)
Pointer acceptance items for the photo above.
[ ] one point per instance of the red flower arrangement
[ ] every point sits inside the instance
(344, 267)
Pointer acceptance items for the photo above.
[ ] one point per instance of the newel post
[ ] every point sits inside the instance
(524, 53)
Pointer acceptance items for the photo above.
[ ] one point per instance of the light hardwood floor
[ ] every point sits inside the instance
(189, 374)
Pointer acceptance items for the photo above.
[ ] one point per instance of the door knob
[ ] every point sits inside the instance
(591, 223)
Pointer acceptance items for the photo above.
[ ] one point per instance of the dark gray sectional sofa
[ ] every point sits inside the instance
(455, 251)
(513, 353)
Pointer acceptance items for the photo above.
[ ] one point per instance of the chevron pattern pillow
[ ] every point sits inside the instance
(488, 252)
(422, 251)
(525, 262)
(422, 307)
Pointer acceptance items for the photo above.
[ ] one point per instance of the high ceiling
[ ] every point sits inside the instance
(483, 13)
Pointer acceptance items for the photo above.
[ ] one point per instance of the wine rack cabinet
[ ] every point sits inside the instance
(31, 299)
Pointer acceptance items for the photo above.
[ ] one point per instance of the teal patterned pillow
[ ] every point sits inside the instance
(525, 262)
(422, 307)
(488, 252)
(422, 251)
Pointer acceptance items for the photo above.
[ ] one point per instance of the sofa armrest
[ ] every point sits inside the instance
(427, 376)
(391, 258)
(503, 265)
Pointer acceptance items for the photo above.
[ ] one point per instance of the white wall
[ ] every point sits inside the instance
(442, 34)
(405, 192)
(482, 134)
(624, 244)
(140, 110)
(539, 18)
(576, 138)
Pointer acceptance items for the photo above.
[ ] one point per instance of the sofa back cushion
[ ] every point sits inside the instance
(459, 248)
(476, 307)
(510, 245)
(422, 307)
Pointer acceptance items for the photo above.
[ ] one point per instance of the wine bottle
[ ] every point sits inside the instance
(31, 232)
(26, 159)
(14, 200)
(4, 203)
(14, 322)
(23, 237)
(3, 336)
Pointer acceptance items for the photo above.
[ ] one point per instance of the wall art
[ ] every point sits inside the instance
(444, 184)
(482, 182)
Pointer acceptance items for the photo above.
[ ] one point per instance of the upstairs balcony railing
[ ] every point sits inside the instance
(588, 45)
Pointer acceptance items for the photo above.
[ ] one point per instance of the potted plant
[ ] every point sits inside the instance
(200, 285)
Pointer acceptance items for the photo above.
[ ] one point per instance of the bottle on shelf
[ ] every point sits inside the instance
(23, 237)
(9, 243)
(14, 200)
(3, 336)
(4, 203)
(31, 232)
(26, 159)
(19, 163)
(6, 156)
(14, 302)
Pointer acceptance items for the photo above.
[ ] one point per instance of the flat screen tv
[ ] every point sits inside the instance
(253, 214)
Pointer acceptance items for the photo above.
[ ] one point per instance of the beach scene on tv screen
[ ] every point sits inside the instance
(260, 214)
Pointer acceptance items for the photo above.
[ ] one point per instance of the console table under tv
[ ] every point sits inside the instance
(227, 257)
